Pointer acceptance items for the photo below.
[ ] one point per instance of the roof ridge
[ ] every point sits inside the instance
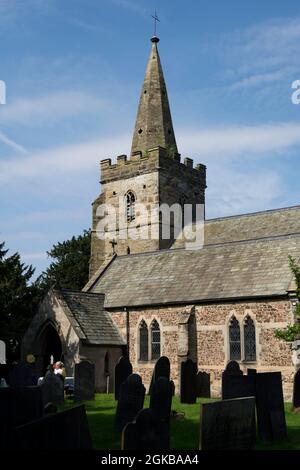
(71, 291)
(249, 214)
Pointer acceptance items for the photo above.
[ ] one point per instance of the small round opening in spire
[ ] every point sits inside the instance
(154, 39)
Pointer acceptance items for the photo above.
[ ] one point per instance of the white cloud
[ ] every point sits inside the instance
(259, 79)
(51, 107)
(235, 140)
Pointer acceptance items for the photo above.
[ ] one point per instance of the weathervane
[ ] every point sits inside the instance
(156, 19)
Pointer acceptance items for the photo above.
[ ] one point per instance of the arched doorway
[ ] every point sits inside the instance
(50, 345)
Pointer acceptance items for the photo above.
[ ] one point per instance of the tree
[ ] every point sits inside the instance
(292, 332)
(70, 268)
(18, 300)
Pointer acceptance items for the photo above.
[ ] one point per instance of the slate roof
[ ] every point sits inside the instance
(87, 312)
(235, 270)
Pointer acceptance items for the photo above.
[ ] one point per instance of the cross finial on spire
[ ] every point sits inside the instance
(156, 19)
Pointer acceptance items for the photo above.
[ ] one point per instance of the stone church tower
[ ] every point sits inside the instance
(151, 176)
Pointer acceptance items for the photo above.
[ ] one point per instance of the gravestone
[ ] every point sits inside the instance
(143, 433)
(228, 425)
(233, 368)
(161, 403)
(203, 384)
(251, 371)
(161, 369)
(84, 381)
(238, 386)
(131, 401)
(52, 389)
(122, 370)
(17, 407)
(67, 430)
(20, 375)
(270, 406)
(188, 386)
(296, 390)
(2, 352)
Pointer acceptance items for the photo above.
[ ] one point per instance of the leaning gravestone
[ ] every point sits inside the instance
(188, 386)
(122, 370)
(67, 430)
(228, 425)
(251, 371)
(131, 401)
(143, 433)
(20, 375)
(237, 386)
(161, 369)
(161, 403)
(203, 384)
(52, 389)
(296, 391)
(270, 406)
(2, 352)
(84, 381)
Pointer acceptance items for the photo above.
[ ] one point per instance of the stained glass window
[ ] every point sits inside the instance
(234, 340)
(143, 341)
(155, 340)
(249, 339)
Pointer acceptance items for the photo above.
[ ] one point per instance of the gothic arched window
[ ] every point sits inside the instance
(249, 339)
(234, 340)
(155, 340)
(143, 330)
(130, 206)
(106, 364)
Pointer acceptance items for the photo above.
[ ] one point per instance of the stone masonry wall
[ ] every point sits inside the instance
(212, 338)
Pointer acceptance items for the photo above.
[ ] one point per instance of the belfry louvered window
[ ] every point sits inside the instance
(155, 340)
(143, 341)
(130, 206)
(234, 340)
(249, 339)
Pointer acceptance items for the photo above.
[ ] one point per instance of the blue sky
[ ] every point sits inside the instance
(74, 69)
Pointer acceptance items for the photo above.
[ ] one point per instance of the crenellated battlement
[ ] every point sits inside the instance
(156, 158)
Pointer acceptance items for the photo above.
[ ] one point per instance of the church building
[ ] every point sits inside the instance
(154, 297)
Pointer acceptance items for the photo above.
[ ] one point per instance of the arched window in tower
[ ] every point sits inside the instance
(249, 339)
(155, 340)
(130, 206)
(234, 340)
(143, 333)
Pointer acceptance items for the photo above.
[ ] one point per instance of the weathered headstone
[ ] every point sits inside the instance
(251, 371)
(161, 403)
(188, 386)
(161, 369)
(228, 425)
(84, 381)
(203, 384)
(238, 386)
(122, 370)
(20, 375)
(52, 389)
(2, 352)
(296, 390)
(233, 368)
(131, 401)
(67, 430)
(143, 433)
(270, 406)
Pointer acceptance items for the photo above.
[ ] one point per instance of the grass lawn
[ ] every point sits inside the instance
(184, 433)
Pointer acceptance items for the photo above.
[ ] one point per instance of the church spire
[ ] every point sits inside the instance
(153, 125)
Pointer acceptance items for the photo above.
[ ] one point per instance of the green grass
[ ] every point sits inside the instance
(184, 433)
